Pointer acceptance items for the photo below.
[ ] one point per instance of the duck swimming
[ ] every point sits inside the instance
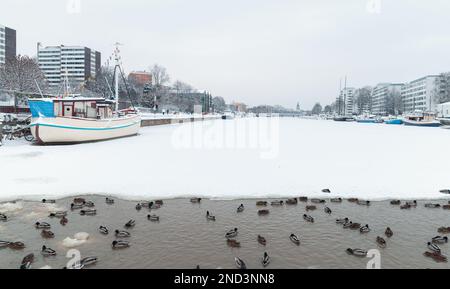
(231, 233)
(240, 264)
(327, 210)
(336, 200)
(353, 200)
(109, 201)
(277, 203)
(445, 192)
(16, 245)
(357, 252)
(130, 224)
(294, 239)
(261, 203)
(47, 252)
(318, 201)
(262, 240)
(436, 257)
(303, 199)
(119, 244)
(89, 204)
(263, 212)
(159, 202)
(63, 221)
(103, 230)
(347, 225)
(308, 218)
(138, 207)
(240, 209)
(153, 218)
(153, 206)
(446, 207)
(88, 261)
(45, 201)
(196, 200)
(79, 200)
(365, 229)
(363, 203)
(47, 234)
(3, 217)
(210, 217)
(434, 247)
(42, 225)
(388, 232)
(233, 243)
(88, 212)
(327, 191)
(405, 207)
(74, 206)
(444, 230)
(412, 204)
(311, 208)
(58, 215)
(293, 201)
(122, 234)
(265, 260)
(440, 240)
(432, 206)
(27, 261)
(342, 221)
(4, 244)
(381, 242)
(396, 202)
(355, 226)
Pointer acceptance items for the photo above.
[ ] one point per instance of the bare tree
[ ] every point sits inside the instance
(160, 75)
(21, 74)
(317, 109)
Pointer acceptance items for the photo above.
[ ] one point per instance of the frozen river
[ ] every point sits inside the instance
(242, 158)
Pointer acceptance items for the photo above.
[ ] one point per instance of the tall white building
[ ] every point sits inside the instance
(78, 63)
(422, 94)
(7, 44)
(381, 97)
(346, 99)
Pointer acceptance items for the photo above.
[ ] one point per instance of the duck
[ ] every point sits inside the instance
(355, 226)
(363, 203)
(130, 224)
(122, 234)
(261, 203)
(109, 201)
(74, 206)
(347, 225)
(262, 240)
(277, 203)
(446, 207)
(240, 264)
(432, 206)
(210, 217)
(4, 244)
(342, 221)
(153, 206)
(327, 191)
(240, 209)
(63, 221)
(3, 217)
(196, 200)
(104, 230)
(138, 207)
(389, 232)
(233, 243)
(396, 202)
(381, 242)
(328, 210)
(293, 201)
(265, 260)
(308, 218)
(318, 201)
(405, 207)
(445, 192)
(440, 240)
(27, 261)
(311, 208)
(434, 247)
(263, 212)
(303, 199)
(357, 252)
(47, 234)
(294, 239)
(336, 200)
(444, 230)
(436, 257)
(88, 261)
(412, 203)
(89, 204)
(42, 225)
(159, 202)
(58, 215)
(79, 200)
(47, 251)
(88, 212)
(45, 201)
(119, 244)
(231, 233)
(353, 200)
(16, 245)
(153, 218)
(364, 229)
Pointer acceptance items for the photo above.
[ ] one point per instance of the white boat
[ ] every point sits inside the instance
(76, 120)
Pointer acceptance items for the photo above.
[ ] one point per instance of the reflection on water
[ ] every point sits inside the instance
(184, 237)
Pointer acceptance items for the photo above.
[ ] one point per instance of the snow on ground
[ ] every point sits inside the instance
(241, 158)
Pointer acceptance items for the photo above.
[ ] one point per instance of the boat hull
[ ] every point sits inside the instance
(394, 121)
(445, 121)
(367, 121)
(63, 130)
(422, 123)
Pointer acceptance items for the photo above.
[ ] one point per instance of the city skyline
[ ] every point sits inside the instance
(261, 53)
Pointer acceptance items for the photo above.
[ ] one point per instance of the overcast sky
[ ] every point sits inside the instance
(255, 51)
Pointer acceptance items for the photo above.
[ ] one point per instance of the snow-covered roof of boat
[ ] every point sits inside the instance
(71, 99)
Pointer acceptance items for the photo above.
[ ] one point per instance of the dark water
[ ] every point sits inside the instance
(184, 238)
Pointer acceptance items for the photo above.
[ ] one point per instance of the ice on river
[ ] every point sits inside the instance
(241, 158)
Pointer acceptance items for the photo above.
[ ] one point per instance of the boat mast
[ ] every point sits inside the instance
(116, 73)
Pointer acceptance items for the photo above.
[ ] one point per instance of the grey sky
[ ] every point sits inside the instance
(256, 51)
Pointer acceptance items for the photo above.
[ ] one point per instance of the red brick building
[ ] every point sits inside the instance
(140, 77)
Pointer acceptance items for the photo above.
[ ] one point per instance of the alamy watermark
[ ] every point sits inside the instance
(373, 6)
(73, 6)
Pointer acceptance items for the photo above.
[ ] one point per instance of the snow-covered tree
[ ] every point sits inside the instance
(317, 109)
(21, 74)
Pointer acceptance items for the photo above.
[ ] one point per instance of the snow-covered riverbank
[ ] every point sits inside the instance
(242, 158)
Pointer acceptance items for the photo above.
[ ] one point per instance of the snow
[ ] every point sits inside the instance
(77, 240)
(241, 158)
